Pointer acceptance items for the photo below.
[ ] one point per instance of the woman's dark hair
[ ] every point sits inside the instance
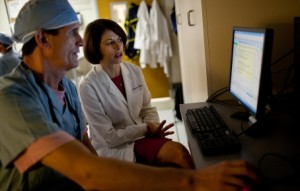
(29, 46)
(92, 38)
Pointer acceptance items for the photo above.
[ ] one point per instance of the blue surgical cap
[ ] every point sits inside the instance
(42, 14)
(4, 39)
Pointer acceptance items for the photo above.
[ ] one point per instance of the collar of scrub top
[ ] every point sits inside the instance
(51, 104)
(42, 14)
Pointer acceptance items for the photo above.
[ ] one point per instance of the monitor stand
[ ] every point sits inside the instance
(241, 115)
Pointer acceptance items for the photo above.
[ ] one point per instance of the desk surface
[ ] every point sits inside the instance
(274, 153)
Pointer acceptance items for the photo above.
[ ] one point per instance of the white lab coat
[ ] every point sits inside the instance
(115, 123)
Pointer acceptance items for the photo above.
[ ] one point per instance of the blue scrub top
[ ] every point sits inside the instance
(9, 61)
(30, 110)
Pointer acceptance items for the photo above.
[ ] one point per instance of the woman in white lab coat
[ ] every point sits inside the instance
(117, 104)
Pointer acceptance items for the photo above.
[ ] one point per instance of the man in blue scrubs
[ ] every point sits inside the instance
(9, 59)
(43, 138)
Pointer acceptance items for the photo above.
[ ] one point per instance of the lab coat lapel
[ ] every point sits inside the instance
(127, 82)
(130, 84)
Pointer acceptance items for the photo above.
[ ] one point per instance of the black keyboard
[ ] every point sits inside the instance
(212, 133)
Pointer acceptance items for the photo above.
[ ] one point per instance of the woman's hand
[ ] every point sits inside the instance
(158, 130)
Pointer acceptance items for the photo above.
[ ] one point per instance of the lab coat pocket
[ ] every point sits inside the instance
(137, 92)
(137, 88)
(137, 99)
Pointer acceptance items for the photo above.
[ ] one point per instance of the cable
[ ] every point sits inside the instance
(286, 85)
(242, 128)
(282, 57)
(284, 69)
(284, 178)
(288, 81)
(289, 78)
(227, 102)
(217, 94)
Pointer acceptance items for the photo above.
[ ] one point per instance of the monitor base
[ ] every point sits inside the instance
(259, 128)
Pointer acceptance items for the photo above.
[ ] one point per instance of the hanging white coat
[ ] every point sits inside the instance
(143, 35)
(160, 45)
(153, 37)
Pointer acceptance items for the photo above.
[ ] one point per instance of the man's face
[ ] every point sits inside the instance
(64, 48)
(2, 49)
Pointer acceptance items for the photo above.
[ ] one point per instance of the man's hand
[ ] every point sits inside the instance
(236, 175)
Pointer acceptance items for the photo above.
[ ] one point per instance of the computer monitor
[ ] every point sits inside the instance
(250, 71)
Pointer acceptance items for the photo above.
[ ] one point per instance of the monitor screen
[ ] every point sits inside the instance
(250, 75)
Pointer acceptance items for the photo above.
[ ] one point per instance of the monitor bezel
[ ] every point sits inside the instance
(265, 84)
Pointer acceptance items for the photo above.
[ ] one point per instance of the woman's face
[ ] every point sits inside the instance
(111, 47)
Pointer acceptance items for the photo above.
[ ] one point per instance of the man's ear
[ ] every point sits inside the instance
(41, 39)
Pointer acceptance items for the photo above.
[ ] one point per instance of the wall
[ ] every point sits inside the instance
(4, 21)
(192, 50)
(88, 12)
(221, 15)
(4, 25)
(156, 79)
